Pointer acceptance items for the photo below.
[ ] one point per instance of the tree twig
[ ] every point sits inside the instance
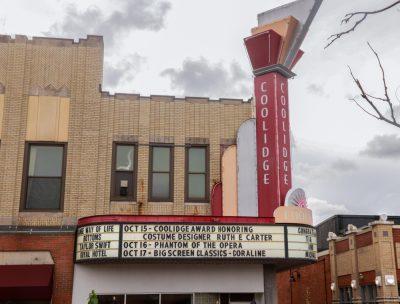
(384, 83)
(348, 17)
(376, 113)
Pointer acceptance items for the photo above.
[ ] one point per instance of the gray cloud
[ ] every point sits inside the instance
(383, 146)
(344, 165)
(133, 14)
(199, 77)
(355, 189)
(316, 89)
(122, 71)
(323, 209)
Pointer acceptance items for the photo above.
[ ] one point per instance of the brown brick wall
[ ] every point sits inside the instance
(396, 235)
(367, 277)
(342, 246)
(344, 280)
(311, 285)
(61, 247)
(96, 119)
(364, 239)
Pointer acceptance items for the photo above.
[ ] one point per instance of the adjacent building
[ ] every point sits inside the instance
(356, 264)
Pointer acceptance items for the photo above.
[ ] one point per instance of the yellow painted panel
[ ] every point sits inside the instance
(229, 182)
(1, 112)
(285, 28)
(33, 106)
(63, 120)
(48, 117)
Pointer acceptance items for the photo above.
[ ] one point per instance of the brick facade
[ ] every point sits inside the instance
(306, 285)
(40, 72)
(61, 247)
(361, 255)
(96, 120)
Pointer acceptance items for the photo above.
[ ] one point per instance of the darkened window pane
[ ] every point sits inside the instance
(142, 299)
(197, 160)
(161, 159)
(43, 193)
(123, 179)
(197, 185)
(45, 161)
(23, 302)
(176, 299)
(241, 297)
(111, 299)
(160, 185)
(124, 161)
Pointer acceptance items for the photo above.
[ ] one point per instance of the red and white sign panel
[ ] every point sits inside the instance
(273, 141)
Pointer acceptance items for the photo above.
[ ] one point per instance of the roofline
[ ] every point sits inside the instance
(354, 216)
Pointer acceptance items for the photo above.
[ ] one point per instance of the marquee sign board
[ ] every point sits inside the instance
(158, 241)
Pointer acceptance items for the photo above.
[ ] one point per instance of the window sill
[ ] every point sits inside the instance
(123, 202)
(197, 203)
(54, 213)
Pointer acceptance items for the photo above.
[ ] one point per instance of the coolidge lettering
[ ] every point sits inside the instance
(285, 180)
(266, 129)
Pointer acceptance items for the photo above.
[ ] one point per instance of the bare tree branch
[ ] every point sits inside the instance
(384, 83)
(369, 113)
(370, 100)
(348, 17)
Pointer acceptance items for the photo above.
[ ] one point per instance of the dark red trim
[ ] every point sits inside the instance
(173, 219)
(367, 278)
(216, 199)
(344, 280)
(26, 282)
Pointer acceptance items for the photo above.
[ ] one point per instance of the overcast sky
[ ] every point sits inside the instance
(346, 161)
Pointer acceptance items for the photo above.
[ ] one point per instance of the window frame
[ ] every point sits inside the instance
(343, 291)
(206, 199)
(113, 196)
(366, 289)
(25, 177)
(171, 173)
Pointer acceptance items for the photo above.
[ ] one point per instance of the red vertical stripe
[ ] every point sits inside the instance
(266, 133)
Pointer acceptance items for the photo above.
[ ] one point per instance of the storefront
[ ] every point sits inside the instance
(194, 259)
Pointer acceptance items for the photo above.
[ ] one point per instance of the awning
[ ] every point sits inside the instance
(26, 275)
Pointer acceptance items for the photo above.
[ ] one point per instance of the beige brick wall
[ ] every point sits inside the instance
(366, 258)
(96, 119)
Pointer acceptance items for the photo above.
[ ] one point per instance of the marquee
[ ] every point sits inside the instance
(185, 241)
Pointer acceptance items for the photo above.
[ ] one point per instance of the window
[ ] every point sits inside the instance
(111, 299)
(346, 295)
(161, 173)
(123, 181)
(44, 177)
(176, 299)
(143, 299)
(368, 293)
(197, 183)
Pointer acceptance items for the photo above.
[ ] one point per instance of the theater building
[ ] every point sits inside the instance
(356, 264)
(147, 199)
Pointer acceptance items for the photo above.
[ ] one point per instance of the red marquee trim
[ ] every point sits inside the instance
(96, 219)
